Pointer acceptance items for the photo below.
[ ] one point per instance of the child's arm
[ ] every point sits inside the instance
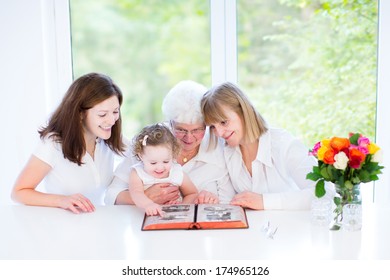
(136, 189)
(188, 190)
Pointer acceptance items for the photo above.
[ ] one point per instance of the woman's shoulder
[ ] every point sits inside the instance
(50, 141)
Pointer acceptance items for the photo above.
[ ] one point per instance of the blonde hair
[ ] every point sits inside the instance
(229, 95)
(155, 135)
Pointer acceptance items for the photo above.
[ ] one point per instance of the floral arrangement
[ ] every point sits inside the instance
(345, 162)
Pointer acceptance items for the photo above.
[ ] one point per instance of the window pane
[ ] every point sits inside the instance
(310, 66)
(145, 46)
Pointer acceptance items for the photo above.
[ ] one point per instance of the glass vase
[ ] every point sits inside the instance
(345, 196)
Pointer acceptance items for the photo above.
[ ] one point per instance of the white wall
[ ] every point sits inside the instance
(28, 73)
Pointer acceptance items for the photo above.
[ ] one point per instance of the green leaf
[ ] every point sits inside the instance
(313, 176)
(337, 200)
(325, 174)
(364, 176)
(335, 226)
(320, 188)
(354, 138)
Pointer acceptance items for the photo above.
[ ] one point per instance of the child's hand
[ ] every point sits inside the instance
(153, 210)
(172, 202)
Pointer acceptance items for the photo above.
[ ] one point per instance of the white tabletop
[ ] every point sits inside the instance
(114, 232)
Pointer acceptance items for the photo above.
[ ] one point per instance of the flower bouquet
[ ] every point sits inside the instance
(346, 162)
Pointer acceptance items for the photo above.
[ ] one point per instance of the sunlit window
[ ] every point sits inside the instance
(310, 66)
(145, 46)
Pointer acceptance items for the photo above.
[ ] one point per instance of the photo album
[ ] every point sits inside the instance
(197, 216)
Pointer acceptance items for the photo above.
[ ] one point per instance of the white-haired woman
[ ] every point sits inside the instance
(206, 169)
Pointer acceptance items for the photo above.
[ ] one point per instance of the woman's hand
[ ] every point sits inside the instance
(76, 203)
(206, 197)
(163, 193)
(249, 199)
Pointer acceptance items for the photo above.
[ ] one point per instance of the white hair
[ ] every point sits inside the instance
(182, 103)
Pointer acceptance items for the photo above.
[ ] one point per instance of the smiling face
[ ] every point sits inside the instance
(99, 120)
(189, 135)
(157, 160)
(231, 129)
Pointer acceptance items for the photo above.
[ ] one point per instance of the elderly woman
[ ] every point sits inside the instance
(206, 169)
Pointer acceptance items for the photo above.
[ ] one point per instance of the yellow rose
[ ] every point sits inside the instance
(325, 145)
(373, 148)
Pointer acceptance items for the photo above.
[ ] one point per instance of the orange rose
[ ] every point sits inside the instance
(356, 158)
(339, 144)
(329, 156)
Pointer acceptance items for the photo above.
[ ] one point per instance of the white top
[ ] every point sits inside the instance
(90, 179)
(175, 177)
(278, 172)
(207, 170)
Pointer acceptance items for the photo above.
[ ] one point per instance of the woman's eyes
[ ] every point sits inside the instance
(103, 115)
(224, 123)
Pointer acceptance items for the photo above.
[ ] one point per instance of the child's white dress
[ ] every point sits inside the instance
(175, 177)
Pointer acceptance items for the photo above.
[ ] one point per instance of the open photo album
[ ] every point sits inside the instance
(198, 216)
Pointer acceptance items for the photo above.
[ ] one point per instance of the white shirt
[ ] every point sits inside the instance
(91, 179)
(207, 170)
(278, 172)
(175, 176)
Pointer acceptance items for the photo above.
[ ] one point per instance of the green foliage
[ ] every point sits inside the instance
(145, 46)
(308, 65)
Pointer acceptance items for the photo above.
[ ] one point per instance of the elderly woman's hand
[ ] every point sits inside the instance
(163, 193)
(249, 199)
(206, 197)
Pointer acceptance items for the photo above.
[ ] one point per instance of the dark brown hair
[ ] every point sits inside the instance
(155, 135)
(65, 125)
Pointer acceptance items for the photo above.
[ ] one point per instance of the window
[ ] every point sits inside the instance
(145, 46)
(310, 66)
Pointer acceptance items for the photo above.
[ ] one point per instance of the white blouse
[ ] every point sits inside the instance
(91, 179)
(207, 170)
(278, 172)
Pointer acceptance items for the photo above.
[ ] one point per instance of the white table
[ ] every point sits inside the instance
(114, 232)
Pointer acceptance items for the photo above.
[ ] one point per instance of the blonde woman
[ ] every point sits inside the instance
(267, 166)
